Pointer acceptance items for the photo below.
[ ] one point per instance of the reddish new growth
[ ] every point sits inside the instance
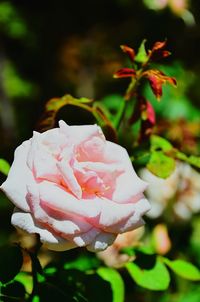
(125, 73)
(156, 79)
(140, 69)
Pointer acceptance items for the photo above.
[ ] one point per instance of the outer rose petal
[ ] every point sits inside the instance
(129, 222)
(41, 161)
(61, 223)
(79, 134)
(128, 184)
(101, 242)
(86, 238)
(112, 212)
(19, 174)
(25, 222)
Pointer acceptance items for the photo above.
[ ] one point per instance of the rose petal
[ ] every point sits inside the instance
(101, 242)
(128, 184)
(54, 197)
(41, 161)
(80, 134)
(86, 238)
(15, 185)
(25, 222)
(69, 178)
(98, 177)
(54, 140)
(103, 168)
(134, 221)
(92, 149)
(60, 223)
(112, 212)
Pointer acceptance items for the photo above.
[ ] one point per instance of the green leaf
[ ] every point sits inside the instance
(184, 269)
(83, 263)
(141, 56)
(36, 299)
(26, 280)
(4, 166)
(56, 104)
(11, 260)
(158, 142)
(192, 160)
(111, 275)
(156, 278)
(160, 164)
(50, 270)
(130, 251)
(85, 100)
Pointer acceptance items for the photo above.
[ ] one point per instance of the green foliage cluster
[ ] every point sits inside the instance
(85, 278)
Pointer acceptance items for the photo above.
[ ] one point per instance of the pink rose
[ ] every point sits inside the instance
(74, 188)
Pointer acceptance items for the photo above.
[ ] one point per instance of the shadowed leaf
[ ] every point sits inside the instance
(156, 278)
(11, 260)
(114, 278)
(184, 269)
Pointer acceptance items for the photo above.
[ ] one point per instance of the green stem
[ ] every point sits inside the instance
(36, 267)
(127, 97)
(121, 114)
(130, 92)
(192, 160)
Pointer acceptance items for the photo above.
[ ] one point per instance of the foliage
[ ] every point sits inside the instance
(4, 166)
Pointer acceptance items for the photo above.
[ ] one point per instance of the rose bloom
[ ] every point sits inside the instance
(74, 188)
(181, 189)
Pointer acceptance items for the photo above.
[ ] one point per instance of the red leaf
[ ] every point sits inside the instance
(124, 73)
(156, 86)
(165, 53)
(157, 79)
(129, 51)
(158, 51)
(159, 45)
